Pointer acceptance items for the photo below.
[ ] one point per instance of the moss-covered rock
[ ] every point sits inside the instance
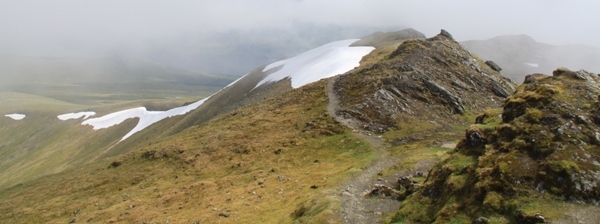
(547, 146)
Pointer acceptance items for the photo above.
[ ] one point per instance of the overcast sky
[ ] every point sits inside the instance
(46, 27)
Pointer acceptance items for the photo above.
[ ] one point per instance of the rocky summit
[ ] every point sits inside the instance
(423, 78)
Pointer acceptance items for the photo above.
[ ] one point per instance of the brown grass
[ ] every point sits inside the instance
(258, 164)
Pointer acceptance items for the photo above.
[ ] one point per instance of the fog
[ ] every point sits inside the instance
(170, 31)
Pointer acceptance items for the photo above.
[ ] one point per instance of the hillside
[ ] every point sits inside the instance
(274, 161)
(296, 142)
(519, 55)
(41, 89)
(66, 144)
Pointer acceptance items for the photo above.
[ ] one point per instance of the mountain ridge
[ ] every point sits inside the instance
(274, 153)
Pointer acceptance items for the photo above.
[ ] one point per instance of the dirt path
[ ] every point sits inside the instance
(356, 208)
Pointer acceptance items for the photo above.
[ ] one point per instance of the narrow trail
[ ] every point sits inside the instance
(356, 208)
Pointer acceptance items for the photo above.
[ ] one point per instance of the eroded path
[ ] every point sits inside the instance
(356, 208)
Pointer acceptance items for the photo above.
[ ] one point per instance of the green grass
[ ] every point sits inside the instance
(41, 144)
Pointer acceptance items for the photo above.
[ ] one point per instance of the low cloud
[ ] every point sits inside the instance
(75, 27)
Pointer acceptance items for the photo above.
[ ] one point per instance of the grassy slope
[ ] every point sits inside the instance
(41, 144)
(43, 88)
(257, 163)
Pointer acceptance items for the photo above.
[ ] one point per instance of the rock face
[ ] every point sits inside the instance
(546, 146)
(427, 78)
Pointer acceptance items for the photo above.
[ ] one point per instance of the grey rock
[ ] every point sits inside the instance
(481, 220)
(475, 137)
(493, 66)
(445, 33)
(529, 219)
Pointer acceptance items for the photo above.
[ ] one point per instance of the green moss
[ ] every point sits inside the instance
(458, 219)
(493, 201)
(563, 166)
(456, 182)
(413, 210)
(533, 115)
(503, 167)
(457, 162)
(548, 90)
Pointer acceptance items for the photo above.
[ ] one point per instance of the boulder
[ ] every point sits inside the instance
(493, 66)
(445, 33)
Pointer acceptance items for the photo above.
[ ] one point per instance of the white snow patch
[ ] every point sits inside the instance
(322, 62)
(147, 118)
(533, 65)
(16, 117)
(69, 116)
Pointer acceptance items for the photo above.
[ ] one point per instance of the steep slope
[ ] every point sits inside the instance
(527, 167)
(519, 55)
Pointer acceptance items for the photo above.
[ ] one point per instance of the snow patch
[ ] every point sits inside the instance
(533, 65)
(69, 116)
(322, 62)
(146, 117)
(16, 117)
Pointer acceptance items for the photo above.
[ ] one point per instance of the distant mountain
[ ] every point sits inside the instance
(520, 55)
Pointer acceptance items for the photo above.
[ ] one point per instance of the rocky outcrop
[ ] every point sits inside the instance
(546, 146)
(446, 34)
(427, 78)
